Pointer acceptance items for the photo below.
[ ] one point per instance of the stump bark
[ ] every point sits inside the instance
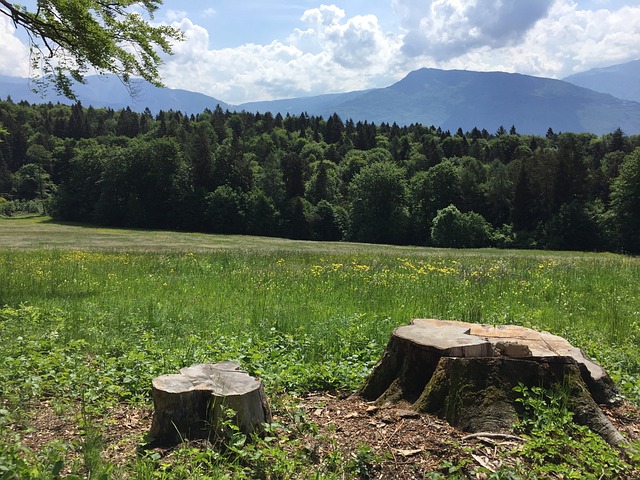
(465, 373)
(190, 404)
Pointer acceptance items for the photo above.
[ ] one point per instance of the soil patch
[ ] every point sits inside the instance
(405, 444)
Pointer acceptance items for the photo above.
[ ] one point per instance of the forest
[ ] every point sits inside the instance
(307, 177)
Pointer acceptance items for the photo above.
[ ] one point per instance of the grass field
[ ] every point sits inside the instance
(96, 313)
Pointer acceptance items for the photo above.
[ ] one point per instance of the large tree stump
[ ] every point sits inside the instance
(466, 372)
(189, 405)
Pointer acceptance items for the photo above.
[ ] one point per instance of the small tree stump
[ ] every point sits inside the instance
(188, 405)
(466, 372)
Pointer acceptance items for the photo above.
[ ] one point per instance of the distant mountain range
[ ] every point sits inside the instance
(444, 98)
(622, 81)
(107, 91)
(458, 98)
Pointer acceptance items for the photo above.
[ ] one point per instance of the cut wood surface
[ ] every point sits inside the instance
(190, 404)
(462, 339)
(466, 372)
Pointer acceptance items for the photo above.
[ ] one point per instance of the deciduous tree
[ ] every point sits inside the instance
(68, 37)
(379, 203)
(452, 228)
(625, 202)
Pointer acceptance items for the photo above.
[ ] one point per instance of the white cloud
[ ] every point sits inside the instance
(570, 40)
(447, 28)
(14, 55)
(583, 39)
(564, 40)
(357, 43)
(326, 15)
(333, 54)
(175, 15)
(330, 51)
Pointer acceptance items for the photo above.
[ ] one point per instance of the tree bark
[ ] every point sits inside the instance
(465, 373)
(191, 404)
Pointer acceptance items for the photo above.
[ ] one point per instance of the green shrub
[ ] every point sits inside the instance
(452, 228)
(556, 447)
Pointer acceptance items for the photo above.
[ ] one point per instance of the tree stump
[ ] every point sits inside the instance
(465, 373)
(190, 404)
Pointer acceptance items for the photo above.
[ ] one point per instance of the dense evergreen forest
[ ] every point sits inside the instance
(307, 177)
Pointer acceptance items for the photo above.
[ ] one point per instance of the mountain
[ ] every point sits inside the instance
(455, 98)
(107, 91)
(444, 98)
(324, 105)
(622, 81)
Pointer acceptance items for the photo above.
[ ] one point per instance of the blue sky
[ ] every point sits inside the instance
(248, 50)
(232, 23)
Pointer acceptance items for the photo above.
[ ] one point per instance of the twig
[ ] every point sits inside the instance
(386, 441)
(501, 436)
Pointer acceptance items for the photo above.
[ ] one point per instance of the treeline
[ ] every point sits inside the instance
(307, 177)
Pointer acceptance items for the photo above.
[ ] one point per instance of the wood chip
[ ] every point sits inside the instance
(489, 435)
(484, 462)
(404, 413)
(408, 453)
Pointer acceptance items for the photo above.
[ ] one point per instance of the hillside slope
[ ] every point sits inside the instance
(452, 99)
(107, 91)
(622, 81)
(444, 98)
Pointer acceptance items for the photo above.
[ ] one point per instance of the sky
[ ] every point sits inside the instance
(251, 50)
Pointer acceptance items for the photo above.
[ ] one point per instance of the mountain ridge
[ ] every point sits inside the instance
(621, 80)
(107, 91)
(449, 99)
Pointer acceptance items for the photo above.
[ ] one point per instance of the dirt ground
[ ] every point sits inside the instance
(406, 444)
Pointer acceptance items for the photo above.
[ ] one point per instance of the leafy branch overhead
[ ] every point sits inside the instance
(67, 38)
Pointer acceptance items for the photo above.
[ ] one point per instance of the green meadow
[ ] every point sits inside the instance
(91, 315)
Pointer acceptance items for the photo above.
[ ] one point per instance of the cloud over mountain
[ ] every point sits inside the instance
(331, 53)
(356, 45)
(445, 28)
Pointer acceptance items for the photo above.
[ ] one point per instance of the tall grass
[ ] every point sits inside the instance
(173, 295)
(105, 311)
(308, 303)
